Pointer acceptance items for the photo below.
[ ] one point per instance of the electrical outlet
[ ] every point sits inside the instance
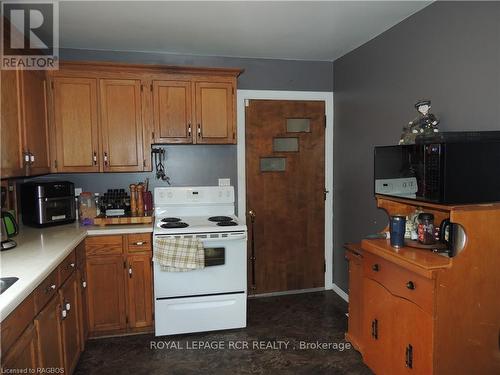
(78, 191)
(224, 182)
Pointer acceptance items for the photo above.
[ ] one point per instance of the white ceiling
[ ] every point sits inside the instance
(314, 30)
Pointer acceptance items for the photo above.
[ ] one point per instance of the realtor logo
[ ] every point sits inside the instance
(30, 35)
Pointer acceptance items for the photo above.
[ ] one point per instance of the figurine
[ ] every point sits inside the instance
(425, 124)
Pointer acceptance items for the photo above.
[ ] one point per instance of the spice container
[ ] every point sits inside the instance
(87, 208)
(426, 234)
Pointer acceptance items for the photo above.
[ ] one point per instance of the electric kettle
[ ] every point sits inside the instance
(8, 229)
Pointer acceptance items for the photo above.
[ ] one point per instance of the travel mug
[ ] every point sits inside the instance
(397, 228)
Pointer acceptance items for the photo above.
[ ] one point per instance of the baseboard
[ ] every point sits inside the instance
(298, 291)
(340, 292)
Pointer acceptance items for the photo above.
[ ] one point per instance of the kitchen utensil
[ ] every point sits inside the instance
(159, 158)
(426, 228)
(140, 201)
(397, 230)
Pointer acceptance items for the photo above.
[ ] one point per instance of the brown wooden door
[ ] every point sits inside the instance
(412, 339)
(285, 190)
(76, 128)
(172, 111)
(48, 327)
(68, 297)
(377, 327)
(215, 118)
(121, 125)
(140, 298)
(12, 163)
(35, 120)
(23, 354)
(106, 293)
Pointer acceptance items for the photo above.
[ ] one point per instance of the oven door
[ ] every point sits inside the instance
(225, 269)
(51, 210)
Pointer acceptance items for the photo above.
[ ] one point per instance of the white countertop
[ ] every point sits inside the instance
(39, 252)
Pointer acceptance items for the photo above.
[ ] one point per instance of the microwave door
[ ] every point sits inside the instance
(396, 170)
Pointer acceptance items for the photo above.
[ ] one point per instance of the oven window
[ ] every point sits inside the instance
(58, 209)
(215, 256)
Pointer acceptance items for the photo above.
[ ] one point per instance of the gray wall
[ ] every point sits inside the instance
(450, 53)
(203, 164)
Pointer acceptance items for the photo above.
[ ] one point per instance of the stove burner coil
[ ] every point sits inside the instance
(227, 223)
(176, 224)
(219, 219)
(170, 220)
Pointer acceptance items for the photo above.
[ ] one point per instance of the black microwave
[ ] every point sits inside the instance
(445, 172)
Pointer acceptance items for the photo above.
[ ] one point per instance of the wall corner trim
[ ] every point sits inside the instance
(340, 292)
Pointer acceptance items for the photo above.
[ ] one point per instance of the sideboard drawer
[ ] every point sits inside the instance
(139, 242)
(104, 245)
(66, 267)
(45, 291)
(400, 281)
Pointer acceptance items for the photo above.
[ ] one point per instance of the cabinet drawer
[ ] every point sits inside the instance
(400, 281)
(140, 242)
(104, 245)
(47, 289)
(66, 267)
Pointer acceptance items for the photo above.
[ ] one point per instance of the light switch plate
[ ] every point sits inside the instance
(224, 182)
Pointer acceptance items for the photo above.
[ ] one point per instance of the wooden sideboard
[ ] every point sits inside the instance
(412, 311)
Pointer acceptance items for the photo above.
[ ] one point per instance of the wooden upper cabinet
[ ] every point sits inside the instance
(11, 130)
(24, 134)
(35, 120)
(76, 124)
(172, 111)
(215, 108)
(121, 125)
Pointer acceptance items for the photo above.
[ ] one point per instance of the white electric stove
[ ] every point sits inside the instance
(212, 298)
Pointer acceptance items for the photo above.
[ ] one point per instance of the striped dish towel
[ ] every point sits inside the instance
(179, 254)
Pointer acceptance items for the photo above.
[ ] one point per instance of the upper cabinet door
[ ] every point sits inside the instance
(121, 125)
(11, 130)
(75, 119)
(172, 111)
(215, 112)
(35, 120)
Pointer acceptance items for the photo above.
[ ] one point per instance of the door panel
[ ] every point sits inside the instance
(140, 291)
(286, 192)
(35, 120)
(11, 130)
(172, 111)
(377, 327)
(68, 295)
(75, 116)
(48, 327)
(214, 112)
(23, 355)
(106, 293)
(121, 125)
(412, 338)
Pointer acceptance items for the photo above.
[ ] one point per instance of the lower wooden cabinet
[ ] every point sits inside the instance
(23, 354)
(140, 293)
(106, 293)
(391, 327)
(48, 328)
(119, 284)
(68, 295)
(81, 278)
